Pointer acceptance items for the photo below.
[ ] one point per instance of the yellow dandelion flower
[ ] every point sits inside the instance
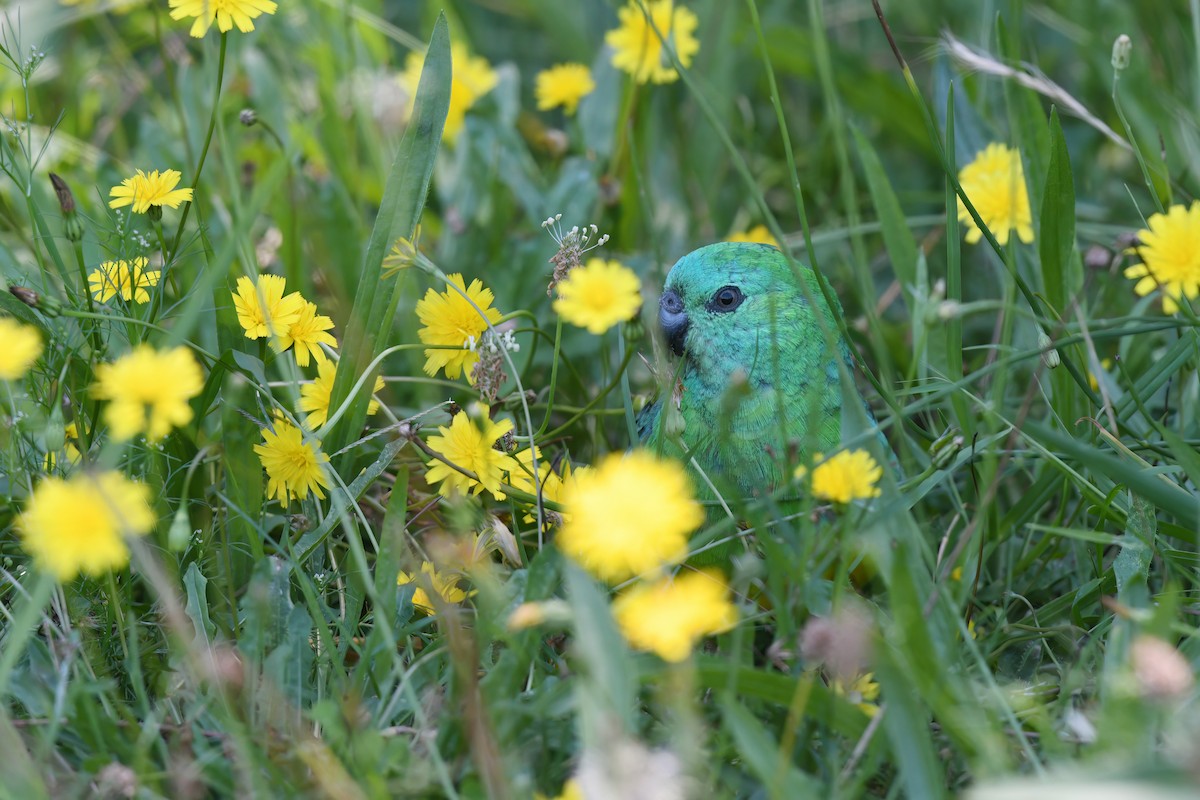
(846, 476)
(79, 524)
(863, 691)
(314, 397)
(148, 391)
(629, 516)
(472, 77)
(126, 279)
(449, 320)
(144, 191)
(995, 182)
(563, 85)
(262, 310)
(758, 234)
(293, 465)
(670, 615)
(444, 584)
(470, 446)
(1170, 253)
(22, 347)
(598, 295)
(226, 13)
(639, 51)
(307, 333)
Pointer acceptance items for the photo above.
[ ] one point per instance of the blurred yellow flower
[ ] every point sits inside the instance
(995, 183)
(846, 476)
(670, 615)
(79, 524)
(148, 391)
(598, 295)
(444, 584)
(571, 791)
(471, 78)
(470, 446)
(22, 347)
(226, 13)
(126, 279)
(563, 85)
(307, 333)
(449, 320)
(639, 51)
(144, 191)
(262, 310)
(863, 691)
(758, 234)
(293, 465)
(1170, 253)
(629, 516)
(314, 397)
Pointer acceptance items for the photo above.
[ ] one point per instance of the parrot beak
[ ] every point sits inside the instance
(673, 320)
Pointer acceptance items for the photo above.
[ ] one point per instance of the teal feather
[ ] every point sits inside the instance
(758, 380)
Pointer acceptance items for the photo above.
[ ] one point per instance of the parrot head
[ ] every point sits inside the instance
(726, 306)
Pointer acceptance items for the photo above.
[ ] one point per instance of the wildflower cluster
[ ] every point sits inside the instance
(287, 321)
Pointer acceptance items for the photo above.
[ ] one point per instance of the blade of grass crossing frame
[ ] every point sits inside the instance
(403, 201)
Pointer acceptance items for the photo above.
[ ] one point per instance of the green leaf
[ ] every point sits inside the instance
(897, 235)
(403, 201)
(1132, 564)
(1057, 234)
(607, 687)
(195, 585)
(758, 747)
(15, 308)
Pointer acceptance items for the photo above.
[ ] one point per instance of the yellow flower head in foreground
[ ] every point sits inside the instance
(598, 295)
(127, 279)
(308, 332)
(863, 691)
(849, 475)
(995, 182)
(293, 466)
(758, 234)
(445, 585)
(148, 391)
(226, 13)
(469, 446)
(640, 52)
(79, 524)
(563, 85)
(143, 191)
(471, 78)
(22, 347)
(1170, 252)
(449, 320)
(629, 516)
(670, 615)
(262, 310)
(314, 397)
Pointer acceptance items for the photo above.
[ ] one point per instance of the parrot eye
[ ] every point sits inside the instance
(726, 299)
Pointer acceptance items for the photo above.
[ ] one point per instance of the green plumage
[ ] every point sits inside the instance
(758, 378)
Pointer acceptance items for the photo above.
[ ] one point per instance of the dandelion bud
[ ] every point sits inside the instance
(1160, 670)
(47, 305)
(154, 213)
(948, 310)
(673, 423)
(1120, 52)
(55, 433)
(248, 117)
(181, 531)
(72, 227)
(1050, 356)
(945, 448)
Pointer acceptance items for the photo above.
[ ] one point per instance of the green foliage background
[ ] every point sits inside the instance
(274, 654)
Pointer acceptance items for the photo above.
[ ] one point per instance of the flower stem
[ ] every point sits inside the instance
(212, 126)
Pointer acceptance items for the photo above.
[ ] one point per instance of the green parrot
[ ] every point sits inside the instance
(758, 382)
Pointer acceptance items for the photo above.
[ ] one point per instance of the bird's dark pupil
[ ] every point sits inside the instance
(727, 297)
